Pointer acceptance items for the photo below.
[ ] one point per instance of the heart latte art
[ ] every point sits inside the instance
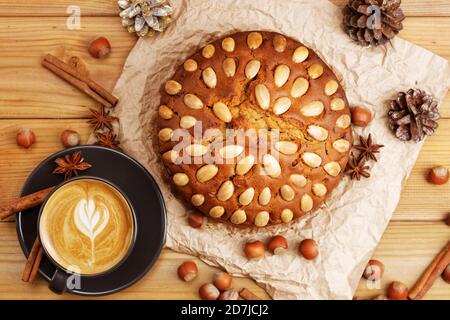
(87, 226)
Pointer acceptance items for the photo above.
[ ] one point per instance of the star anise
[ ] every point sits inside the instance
(368, 148)
(70, 164)
(107, 139)
(356, 168)
(102, 119)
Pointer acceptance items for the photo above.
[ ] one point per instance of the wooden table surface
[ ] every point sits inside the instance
(30, 96)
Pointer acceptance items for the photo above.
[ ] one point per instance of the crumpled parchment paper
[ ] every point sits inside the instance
(350, 224)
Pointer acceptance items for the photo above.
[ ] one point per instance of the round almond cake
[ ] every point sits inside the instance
(254, 129)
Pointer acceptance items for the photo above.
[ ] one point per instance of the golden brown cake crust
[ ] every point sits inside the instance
(317, 122)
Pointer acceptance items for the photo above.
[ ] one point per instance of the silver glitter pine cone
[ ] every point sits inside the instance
(145, 17)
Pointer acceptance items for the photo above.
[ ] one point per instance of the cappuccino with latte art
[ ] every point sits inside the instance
(87, 225)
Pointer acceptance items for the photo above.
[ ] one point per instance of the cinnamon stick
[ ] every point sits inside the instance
(248, 295)
(430, 275)
(37, 263)
(80, 81)
(24, 203)
(80, 85)
(33, 262)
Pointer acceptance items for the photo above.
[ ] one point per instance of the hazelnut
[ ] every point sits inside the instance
(188, 271)
(438, 175)
(222, 280)
(70, 138)
(99, 48)
(361, 117)
(25, 138)
(397, 291)
(196, 220)
(446, 274)
(254, 249)
(374, 270)
(208, 292)
(308, 249)
(229, 295)
(277, 245)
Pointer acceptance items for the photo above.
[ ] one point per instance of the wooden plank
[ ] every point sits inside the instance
(109, 8)
(30, 91)
(58, 8)
(16, 163)
(161, 283)
(430, 33)
(420, 200)
(406, 249)
(432, 8)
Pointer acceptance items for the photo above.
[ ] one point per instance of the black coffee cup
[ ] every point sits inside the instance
(60, 280)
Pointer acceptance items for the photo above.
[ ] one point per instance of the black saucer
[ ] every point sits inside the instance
(142, 191)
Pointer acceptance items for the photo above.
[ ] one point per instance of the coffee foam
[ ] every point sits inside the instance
(87, 224)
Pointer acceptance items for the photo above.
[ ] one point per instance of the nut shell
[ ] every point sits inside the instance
(229, 295)
(254, 249)
(397, 291)
(208, 292)
(99, 48)
(188, 271)
(222, 280)
(308, 249)
(25, 138)
(70, 138)
(361, 117)
(277, 245)
(374, 270)
(196, 220)
(446, 274)
(438, 175)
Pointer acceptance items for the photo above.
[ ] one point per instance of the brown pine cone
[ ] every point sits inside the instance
(373, 22)
(413, 115)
